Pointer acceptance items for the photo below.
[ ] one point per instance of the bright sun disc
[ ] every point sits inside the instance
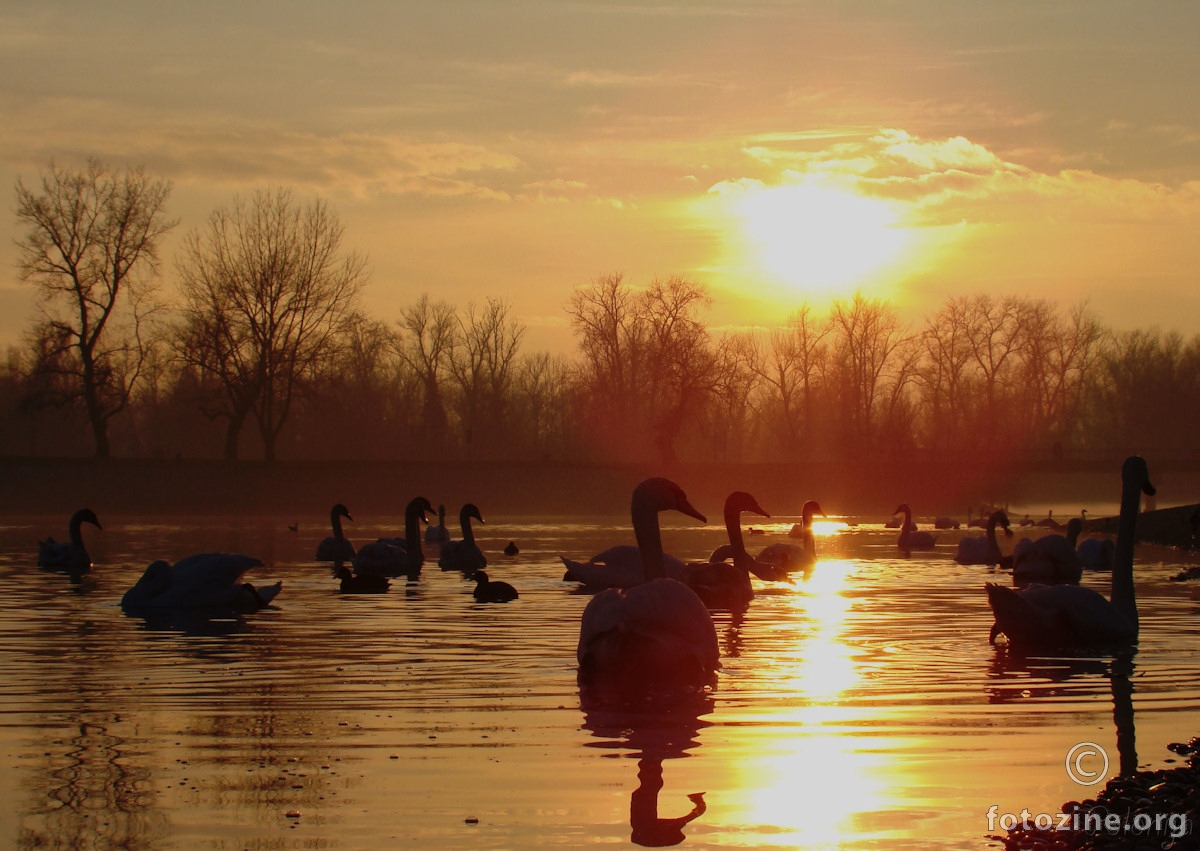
(819, 238)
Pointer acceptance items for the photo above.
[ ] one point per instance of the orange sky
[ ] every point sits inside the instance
(776, 151)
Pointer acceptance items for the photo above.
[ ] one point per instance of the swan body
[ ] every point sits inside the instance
(1050, 559)
(437, 533)
(616, 567)
(721, 584)
(1071, 615)
(70, 555)
(1096, 553)
(792, 557)
(492, 591)
(396, 556)
(654, 637)
(204, 580)
(335, 547)
(983, 549)
(912, 538)
(464, 554)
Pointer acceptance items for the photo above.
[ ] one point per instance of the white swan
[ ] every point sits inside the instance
(204, 580)
(1050, 559)
(1071, 615)
(464, 554)
(719, 583)
(335, 547)
(396, 556)
(654, 638)
(983, 549)
(437, 533)
(70, 555)
(793, 557)
(912, 538)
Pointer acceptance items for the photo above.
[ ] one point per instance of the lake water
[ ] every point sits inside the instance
(861, 707)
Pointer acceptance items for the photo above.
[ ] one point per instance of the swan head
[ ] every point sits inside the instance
(1135, 472)
(470, 510)
(740, 501)
(659, 494)
(340, 510)
(420, 506)
(811, 508)
(902, 508)
(85, 515)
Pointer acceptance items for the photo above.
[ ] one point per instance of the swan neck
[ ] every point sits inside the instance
(649, 541)
(337, 526)
(1123, 597)
(733, 527)
(76, 533)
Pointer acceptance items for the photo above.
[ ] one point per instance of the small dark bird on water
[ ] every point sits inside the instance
(488, 591)
(512, 549)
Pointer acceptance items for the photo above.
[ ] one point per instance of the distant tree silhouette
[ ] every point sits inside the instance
(266, 290)
(428, 335)
(90, 247)
(481, 364)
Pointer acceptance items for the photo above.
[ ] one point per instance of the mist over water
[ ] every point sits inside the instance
(859, 707)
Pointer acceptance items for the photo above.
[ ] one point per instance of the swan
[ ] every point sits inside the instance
(492, 591)
(718, 583)
(394, 556)
(1049, 521)
(654, 637)
(464, 554)
(983, 549)
(1096, 553)
(946, 522)
(335, 547)
(70, 555)
(199, 581)
(793, 557)
(616, 567)
(438, 533)
(1050, 559)
(912, 538)
(1071, 615)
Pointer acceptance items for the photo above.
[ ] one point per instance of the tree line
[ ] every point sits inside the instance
(266, 352)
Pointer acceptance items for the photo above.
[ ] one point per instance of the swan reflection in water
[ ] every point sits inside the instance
(653, 735)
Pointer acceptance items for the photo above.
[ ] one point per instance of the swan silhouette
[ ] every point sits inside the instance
(1050, 559)
(655, 639)
(359, 583)
(983, 549)
(396, 556)
(620, 566)
(464, 554)
(491, 590)
(70, 555)
(204, 580)
(719, 583)
(1071, 615)
(1095, 553)
(335, 547)
(912, 538)
(437, 533)
(793, 557)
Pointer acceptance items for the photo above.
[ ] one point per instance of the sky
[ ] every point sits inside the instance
(781, 153)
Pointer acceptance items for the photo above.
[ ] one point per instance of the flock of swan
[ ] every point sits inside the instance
(648, 629)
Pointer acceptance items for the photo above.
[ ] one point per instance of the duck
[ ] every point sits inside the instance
(912, 538)
(464, 554)
(335, 547)
(437, 533)
(70, 555)
(491, 590)
(793, 557)
(395, 556)
(721, 584)
(655, 639)
(350, 582)
(204, 580)
(1050, 559)
(984, 549)
(511, 549)
(1072, 616)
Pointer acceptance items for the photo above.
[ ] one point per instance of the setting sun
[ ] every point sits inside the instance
(817, 238)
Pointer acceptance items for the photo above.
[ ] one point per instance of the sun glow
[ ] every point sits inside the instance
(819, 239)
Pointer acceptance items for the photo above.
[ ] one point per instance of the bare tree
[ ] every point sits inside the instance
(482, 366)
(428, 334)
(265, 292)
(790, 368)
(91, 245)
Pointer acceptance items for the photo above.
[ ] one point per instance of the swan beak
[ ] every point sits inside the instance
(1149, 489)
(686, 508)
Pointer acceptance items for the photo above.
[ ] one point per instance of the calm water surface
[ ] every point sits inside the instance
(860, 708)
